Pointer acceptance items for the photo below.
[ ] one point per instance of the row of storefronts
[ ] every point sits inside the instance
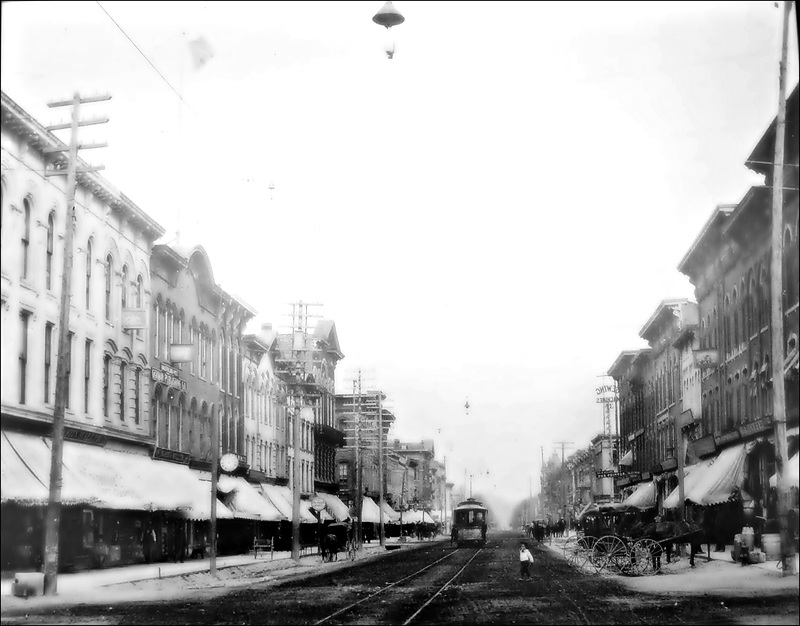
(697, 402)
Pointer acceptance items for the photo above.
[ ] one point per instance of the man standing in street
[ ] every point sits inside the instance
(525, 560)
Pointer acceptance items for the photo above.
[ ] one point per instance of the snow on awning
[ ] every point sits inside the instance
(283, 500)
(389, 514)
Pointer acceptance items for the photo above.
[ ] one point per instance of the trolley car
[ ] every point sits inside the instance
(470, 522)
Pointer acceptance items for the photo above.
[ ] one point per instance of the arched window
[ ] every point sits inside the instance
(49, 258)
(123, 300)
(137, 392)
(123, 382)
(88, 285)
(109, 285)
(26, 236)
(790, 270)
(106, 384)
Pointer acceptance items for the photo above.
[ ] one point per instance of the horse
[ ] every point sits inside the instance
(330, 548)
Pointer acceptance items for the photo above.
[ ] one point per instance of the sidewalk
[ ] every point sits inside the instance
(151, 581)
(718, 576)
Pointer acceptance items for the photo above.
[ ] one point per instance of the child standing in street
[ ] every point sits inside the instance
(525, 560)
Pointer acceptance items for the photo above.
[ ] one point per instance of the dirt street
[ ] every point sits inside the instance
(483, 589)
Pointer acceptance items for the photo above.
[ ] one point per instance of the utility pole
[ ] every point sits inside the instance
(445, 495)
(564, 445)
(777, 321)
(359, 464)
(380, 466)
(53, 519)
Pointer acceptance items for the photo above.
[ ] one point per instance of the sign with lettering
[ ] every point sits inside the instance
(706, 358)
(165, 454)
(161, 376)
(645, 476)
(606, 389)
(604, 399)
(755, 427)
(84, 436)
(134, 319)
(174, 371)
(727, 437)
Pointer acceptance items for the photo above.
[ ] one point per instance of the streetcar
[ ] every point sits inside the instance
(470, 521)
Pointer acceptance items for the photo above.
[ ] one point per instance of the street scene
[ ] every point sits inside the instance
(404, 313)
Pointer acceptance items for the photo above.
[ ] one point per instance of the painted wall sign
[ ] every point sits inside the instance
(181, 352)
(605, 399)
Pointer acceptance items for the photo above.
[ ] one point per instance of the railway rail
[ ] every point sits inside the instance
(441, 588)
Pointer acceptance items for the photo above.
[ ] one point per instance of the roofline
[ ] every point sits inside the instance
(38, 136)
(767, 141)
(719, 210)
(665, 304)
(625, 354)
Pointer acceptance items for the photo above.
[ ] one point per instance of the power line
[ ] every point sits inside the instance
(122, 30)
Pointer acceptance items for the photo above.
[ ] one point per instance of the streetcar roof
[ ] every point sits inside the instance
(470, 504)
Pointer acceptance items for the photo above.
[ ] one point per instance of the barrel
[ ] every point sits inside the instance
(771, 544)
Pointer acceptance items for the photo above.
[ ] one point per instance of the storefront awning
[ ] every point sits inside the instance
(112, 479)
(691, 475)
(246, 502)
(791, 472)
(643, 497)
(335, 506)
(370, 512)
(417, 517)
(18, 483)
(389, 514)
(722, 479)
(281, 498)
(627, 458)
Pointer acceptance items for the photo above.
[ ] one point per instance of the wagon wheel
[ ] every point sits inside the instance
(569, 548)
(646, 557)
(610, 553)
(583, 551)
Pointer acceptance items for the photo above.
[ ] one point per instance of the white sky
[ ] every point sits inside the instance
(492, 214)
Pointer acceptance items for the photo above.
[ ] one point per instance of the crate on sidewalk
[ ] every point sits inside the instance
(28, 584)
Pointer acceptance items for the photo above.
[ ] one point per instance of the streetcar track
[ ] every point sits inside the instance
(434, 596)
(387, 587)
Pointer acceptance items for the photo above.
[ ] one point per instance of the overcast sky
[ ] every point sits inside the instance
(492, 214)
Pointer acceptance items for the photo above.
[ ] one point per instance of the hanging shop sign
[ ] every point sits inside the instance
(704, 446)
(605, 400)
(169, 376)
(623, 481)
(756, 427)
(165, 454)
(705, 359)
(646, 476)
(727, 437)
(181, 352)
(134, 319)
(670, 464)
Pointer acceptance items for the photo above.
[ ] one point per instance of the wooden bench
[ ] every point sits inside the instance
(264, 545)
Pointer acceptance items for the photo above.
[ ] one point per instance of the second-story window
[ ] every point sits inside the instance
(87, 360)
(26, 236)
(106, 385)
(48, 355)
(123, 297)
(49, 258)
(109, 286)
(88, 285)
(24, 318)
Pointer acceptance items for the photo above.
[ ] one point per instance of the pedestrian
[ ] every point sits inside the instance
(525, 560)
(453, 535)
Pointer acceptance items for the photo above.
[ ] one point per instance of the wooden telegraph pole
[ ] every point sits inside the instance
(777, 322)
(53, 519)
(380, 467)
